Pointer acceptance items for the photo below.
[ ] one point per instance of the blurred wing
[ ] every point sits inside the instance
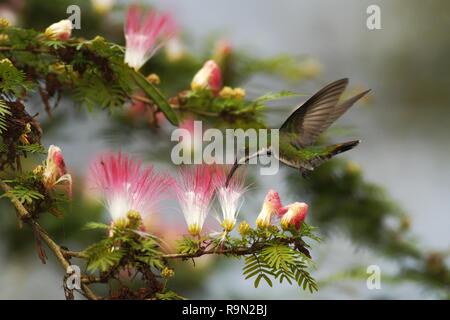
(310, 119)
(340, 109)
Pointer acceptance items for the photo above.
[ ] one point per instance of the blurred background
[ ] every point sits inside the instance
(385, 203)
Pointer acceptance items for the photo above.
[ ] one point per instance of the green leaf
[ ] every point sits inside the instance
(4, 114)
(96, 225)
(270, 96)
(102, 256)
(156, 96)
(23, 194)
(169, 295)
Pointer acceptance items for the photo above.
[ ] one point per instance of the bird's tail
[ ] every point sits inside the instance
(342, 147)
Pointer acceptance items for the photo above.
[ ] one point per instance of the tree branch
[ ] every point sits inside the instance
(60, 254)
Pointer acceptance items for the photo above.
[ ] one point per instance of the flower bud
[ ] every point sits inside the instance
(153, 78)
(61, 30)
(272, 205)
(4, 23)
(167, 272)
(55, 169)
(209, 77)
(243, 228)
(295, 215)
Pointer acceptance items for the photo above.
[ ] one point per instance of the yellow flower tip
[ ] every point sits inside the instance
(134, 219)
(226, 92)
(121, 223)
(239, 93)
(7, 61)
(194, 229)
(153, 78)
(167, 272)
(262, 223)
(4, 23)
(244, 228)
(39, 170)
(228, 225)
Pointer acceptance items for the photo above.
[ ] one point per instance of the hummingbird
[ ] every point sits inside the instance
(300, 131)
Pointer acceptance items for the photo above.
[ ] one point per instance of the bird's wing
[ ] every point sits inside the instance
(309, 120)
(340, 109)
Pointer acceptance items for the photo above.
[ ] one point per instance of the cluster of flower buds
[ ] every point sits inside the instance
(234, 93)
(291, 216)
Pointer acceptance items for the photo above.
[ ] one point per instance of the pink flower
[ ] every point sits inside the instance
(295, 215)
(230, 198)
(61, 30)
(126, 187)
(195, 191)
(272, 205)
(209, 77)
(55, 171)
(144, 36)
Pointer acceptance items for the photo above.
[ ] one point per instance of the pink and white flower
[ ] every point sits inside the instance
(271, 206)
(145, 35)
(229, 197)
(195, 190)
(61, 30)
(209, 77)
(295, 215)
(126, 187)
(55, 171)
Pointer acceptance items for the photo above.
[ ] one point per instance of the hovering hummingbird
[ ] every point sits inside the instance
(301, 129)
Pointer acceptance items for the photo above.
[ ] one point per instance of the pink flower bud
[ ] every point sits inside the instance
(55, 170)
(272, 205)
(295, 215)
(209, 77)
(61, 30)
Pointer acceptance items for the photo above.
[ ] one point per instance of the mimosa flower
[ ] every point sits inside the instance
(209, 77)
(272, 205)
(145, 35)
(126, 187)
(195, 191)
(295, 215)
(61, 30)
(230, 197)
(54, 170)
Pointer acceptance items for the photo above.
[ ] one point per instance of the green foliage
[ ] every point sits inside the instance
(123, 248)
(103, 256)
(169, 295)
(271, 96)
(279, 261)
(4, 114)
(34, 148)
(188, 245)
(23, 194)
(156, 97)
(12, 80)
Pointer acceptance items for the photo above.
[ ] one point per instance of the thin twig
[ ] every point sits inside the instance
(53, 246)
